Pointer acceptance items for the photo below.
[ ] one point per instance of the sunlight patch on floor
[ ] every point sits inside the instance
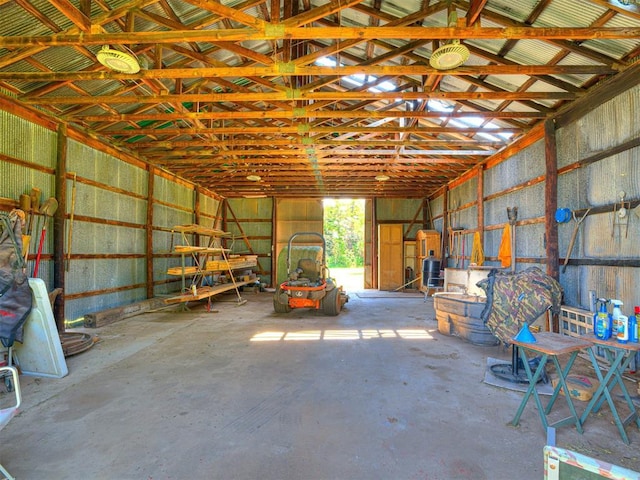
(347, 334)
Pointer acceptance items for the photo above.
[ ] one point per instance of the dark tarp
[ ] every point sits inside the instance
(16, 298)
(514, 299)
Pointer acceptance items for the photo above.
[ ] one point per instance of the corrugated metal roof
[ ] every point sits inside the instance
(287, 106)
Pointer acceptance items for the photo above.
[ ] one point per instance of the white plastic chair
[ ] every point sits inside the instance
(6, 414)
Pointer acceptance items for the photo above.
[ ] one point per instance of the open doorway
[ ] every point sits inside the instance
(344, 221)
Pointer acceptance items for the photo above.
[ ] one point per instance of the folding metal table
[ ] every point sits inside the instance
(619, 355)
(550, 345)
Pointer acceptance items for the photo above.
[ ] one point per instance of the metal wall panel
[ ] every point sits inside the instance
(179, 211)
(405, 210)
(254, 216)
(208, 210)
(296, 215)
(597, 185)
(30, 143)
(594, 185)
(394, 209)
(92, 238)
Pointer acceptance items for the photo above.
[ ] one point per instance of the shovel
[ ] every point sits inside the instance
(25, 206)
(48, 209)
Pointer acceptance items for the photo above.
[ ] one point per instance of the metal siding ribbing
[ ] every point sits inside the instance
(29, 143)
(597, 184)
(254, 216)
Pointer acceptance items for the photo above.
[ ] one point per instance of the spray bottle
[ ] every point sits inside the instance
(602, 321)
(620, 322)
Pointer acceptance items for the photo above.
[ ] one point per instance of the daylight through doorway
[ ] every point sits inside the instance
(344, 222)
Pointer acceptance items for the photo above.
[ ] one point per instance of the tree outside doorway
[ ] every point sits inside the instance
(344, 237)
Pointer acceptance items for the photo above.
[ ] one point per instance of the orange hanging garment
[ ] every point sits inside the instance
(504, 252)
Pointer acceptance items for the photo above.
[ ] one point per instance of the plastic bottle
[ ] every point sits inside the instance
(623, 329)
(602, 321)
(633, 325)
(633, 329)
(615, 315)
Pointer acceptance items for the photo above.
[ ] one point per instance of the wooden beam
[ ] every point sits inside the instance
(206, 154)
(299, 113)
(228, 12)
(69, 10)
(475, 9)
(293, 94)
(599, 95)
(306, 128)
(162, 145)
(281, 31)
(288, 70)
(318, 12)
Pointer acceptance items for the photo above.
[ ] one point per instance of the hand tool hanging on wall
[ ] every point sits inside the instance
(73, 210)
(25, 206)
(621, 216)
(35, 199)
(48, 209)
(512, 214)
(573, 237)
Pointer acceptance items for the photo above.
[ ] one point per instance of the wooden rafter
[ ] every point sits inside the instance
(317, 99)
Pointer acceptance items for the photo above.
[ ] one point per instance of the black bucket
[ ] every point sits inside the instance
(430, 272)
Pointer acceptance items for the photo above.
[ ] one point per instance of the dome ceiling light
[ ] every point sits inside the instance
(451, 55)
(118, 61)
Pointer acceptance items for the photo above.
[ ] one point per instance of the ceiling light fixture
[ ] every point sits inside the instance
(451, 55)
(119, 61)
(254, 178)
(382, 177)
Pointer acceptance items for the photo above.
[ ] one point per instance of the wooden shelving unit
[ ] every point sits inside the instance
(207, 261)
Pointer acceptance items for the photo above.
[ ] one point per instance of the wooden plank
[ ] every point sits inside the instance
(105, 317)
(278, 70)
(293, 94)
(186, 271)
(205, 292)
(555, 343)
(194, 249)
(199, 230)
(278, 32)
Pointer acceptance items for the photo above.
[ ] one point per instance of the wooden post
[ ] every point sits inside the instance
(196, 212)
(480, 202)
(58, 225)
(274, 239)
(551, 205)
(427, 220)
(374, 244)
(149, 231)
(551, 198)
(445, 228)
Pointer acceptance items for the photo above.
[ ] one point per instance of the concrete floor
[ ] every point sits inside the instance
(193, 395)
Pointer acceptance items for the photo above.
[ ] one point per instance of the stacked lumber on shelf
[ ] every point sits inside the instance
(180, 271)
(235, 262)
(241, 261)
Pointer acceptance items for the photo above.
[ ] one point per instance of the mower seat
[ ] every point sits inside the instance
(310, 269)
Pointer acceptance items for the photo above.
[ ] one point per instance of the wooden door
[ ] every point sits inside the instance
(390, 257)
